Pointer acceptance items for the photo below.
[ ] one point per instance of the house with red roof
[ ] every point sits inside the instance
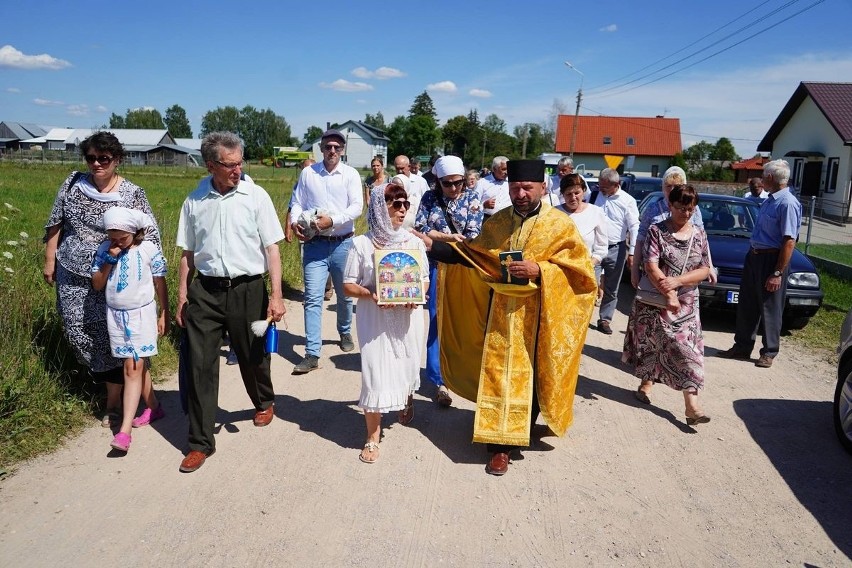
(646, 145)
(744, 170)
(813, 133)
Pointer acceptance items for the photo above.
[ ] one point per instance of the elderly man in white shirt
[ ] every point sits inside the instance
(229, 233)
(330, 192)
(494, 188)
(415, 188)
(623, 224)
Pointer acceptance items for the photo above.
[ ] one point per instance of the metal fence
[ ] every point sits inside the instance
(826, 234)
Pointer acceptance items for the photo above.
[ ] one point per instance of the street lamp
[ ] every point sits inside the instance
(576, 112)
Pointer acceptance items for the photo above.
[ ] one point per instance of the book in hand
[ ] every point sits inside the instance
(506, 258)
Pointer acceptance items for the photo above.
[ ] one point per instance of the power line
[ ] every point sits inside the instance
(752, 36)
(699, 40)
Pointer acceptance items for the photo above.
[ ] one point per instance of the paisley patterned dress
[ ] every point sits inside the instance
(665, 347)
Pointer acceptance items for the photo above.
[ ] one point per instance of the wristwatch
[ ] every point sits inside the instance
(777, 274)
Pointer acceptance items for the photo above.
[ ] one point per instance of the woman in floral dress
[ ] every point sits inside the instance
(665, 344)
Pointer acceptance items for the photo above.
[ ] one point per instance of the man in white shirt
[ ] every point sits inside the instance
(494, 188)
(623, 224)
(755, 191)
(416, 187)
(229, 233)
(332, 190)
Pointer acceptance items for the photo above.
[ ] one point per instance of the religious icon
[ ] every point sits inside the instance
(399, 276)
(507, 258)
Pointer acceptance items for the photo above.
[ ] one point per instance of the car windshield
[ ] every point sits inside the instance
(719, 213)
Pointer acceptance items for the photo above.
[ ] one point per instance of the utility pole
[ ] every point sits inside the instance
(577, 111)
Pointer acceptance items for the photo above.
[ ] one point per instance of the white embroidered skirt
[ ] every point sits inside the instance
(133, 332)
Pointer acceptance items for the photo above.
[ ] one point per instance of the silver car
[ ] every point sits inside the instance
(843, 392)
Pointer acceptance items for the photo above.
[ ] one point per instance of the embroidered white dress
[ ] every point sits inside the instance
(390, 370)
(131, 309)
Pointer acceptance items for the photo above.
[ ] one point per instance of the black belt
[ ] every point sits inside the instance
(764, 251)
(616, 244)
(225, 283)
(332, 238)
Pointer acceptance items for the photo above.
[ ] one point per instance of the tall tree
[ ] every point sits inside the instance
(377, 120)
(423, 106)
(494, 124)
(473, 117)
(396, 133)
(697, 153)
(259, 130)
(177, 123)
(116, 121)
(311, 134)
(221, 119)
(144, 118)
(421, 136)
(455, 134)
(724, 151)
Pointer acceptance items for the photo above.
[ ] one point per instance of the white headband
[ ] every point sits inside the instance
(124, 219)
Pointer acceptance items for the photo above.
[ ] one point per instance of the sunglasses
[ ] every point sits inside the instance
(332, 148)
(456, 183)
(102, 160)
(399, 204)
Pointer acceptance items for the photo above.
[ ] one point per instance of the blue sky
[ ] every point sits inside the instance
(71, 64)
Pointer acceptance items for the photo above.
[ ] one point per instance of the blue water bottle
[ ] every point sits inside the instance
(272, 338)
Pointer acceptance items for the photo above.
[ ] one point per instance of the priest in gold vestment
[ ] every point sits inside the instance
(514, 306)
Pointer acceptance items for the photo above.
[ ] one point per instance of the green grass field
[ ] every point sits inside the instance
(44, 396)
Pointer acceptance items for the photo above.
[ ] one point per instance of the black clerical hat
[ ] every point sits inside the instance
(525, 170)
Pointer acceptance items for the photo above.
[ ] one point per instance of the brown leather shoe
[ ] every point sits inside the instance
(264, 417)
(498, 464)
(734, 353)
(193, 460)
(604, 327)
(764, 362)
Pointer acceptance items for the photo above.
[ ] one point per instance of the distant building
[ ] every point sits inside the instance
(646, 144)
(363, 143)
(813, 133)
(11, 134)
(744, 170)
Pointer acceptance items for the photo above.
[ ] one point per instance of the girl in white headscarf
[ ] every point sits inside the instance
(131, 270)
(391, 337)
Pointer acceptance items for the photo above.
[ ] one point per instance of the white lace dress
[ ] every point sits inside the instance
(387, 377)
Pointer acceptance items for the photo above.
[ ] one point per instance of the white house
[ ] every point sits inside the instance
(814, 134)
(363, 143)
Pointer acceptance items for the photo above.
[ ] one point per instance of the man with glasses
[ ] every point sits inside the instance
(335, 188)
(416, 188)
(622, 226)
(229, 233)
(494, 188)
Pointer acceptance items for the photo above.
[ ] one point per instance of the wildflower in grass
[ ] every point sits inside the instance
(4, 217)
(12, 243)
(9, 270)
(24, 235)
(9, 206)
(8, 254)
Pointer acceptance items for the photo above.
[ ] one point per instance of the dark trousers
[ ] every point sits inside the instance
(504, 448)
(209, 311)
(612, 265)
(756, 304)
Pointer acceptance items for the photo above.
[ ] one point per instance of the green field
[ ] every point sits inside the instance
(44, 396)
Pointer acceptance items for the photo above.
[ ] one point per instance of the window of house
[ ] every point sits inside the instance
(631, 141)
(607, 140)
(796, 177)
(831, 175)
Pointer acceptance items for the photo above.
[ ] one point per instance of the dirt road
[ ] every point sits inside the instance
(764, 484)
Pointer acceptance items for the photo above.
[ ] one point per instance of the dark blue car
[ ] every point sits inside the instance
(728, 222)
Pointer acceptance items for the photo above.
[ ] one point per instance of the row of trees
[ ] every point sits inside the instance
(259, 129)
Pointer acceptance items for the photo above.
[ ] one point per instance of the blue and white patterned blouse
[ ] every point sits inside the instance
(465, 212)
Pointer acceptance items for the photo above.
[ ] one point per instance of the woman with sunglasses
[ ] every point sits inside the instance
(390, 336)
(450, 212)
(72, 236)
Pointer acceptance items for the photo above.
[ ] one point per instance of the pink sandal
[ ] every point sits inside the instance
(121, 442)
(148, 416)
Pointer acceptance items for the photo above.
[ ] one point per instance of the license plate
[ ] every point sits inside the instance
(733, 297)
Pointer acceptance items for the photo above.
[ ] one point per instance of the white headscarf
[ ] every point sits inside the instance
(124, 219)
(382, 232)
(448, 166)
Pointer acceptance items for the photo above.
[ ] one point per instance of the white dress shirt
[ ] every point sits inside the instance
(338, 192)
(417, 186)
(228, 233)
(622, 217)
(489, 187)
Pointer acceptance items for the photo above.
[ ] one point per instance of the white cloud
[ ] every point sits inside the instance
(361, 101)
(346, 86)
(47, 102)
(78, 110)
(381, 73)
(144, 108)
(13, 90)
(101, 108)
(481, 93)
(610, 28)
(14, 59)
(442, 87)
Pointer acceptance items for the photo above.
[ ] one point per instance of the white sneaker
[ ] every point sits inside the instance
(232, 358)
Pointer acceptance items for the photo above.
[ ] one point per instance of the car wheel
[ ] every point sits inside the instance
(795, 323)
(843, 406)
